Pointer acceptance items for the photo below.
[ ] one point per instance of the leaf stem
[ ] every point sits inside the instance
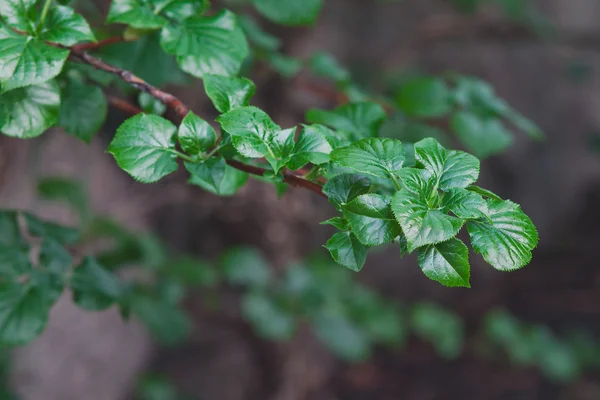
(395, 180)
(184, 156)
(45, 10)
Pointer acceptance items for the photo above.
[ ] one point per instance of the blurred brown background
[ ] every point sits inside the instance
(554, 81)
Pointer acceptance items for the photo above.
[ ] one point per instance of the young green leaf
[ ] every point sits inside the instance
(451, 168)
(246, 266)
(150, 105)
(83, 110)
(64, 26)
(506, 238)
(143, 146)
(28, 112)
(207, 45)
(196, 135)
(227, 93)
(26, 61)
(257, 36)
(165, 321)
(446, 263)
(339, 222)
(312, 146)
(54, 258)
(255, 135)
(371, 219)
(17, 14)
(357, 120)
(464, 203)
(347, 250)
(378, 157)
(482, 137)
(324, 64)
(69, 191)
(484, 192)
(44, 229)
(268, 319)
(421, 224)
(342, 189)
(136, 13)
(14, 262)
(344, 337)
(215, 176)
(94, 287)
(425, 97)
(24, 310)
(289, 12)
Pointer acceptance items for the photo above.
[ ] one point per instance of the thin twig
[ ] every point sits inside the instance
(182, 110)
(98, 44)
(123, 105)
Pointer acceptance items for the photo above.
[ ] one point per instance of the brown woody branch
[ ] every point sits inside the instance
(98, 44)
(181, 109)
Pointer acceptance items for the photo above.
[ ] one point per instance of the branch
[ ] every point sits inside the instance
(123, 105)
(98, 44)
(181, 109)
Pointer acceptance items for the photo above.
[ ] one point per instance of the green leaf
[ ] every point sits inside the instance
(484, 192)
(24, 310)
(371, 219)
(144, 147)
(54, 257)
(377, 157)
(446, 263)
(227, 93)
(44, 229)
(83, 110)
(341, 335)
(246, 266)
(442, 328)
(19, 14)
(10, 234)
(196, 135)
(312, 147)
(464, 203)
(14, 261)
(451, 168)
(286, 66)
(150, 105)
(342, 189)
(136, 13)
(421, 224)
(167, 323)
(29, 112)
(425, 97)
(325, 65)
(26, 61)
(506, 238)
(482, 137)
(215, 176)
(358, 120)
(94, 287)
(267, 318)
(289, 12)
(207, 45)
(347, 250)
(257, 36)
(64, 26)
(255, 135)
(339, 222)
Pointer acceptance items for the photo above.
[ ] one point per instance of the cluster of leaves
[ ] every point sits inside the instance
(535, 345)
(523, 12)
(348, 317)
(416, 196)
